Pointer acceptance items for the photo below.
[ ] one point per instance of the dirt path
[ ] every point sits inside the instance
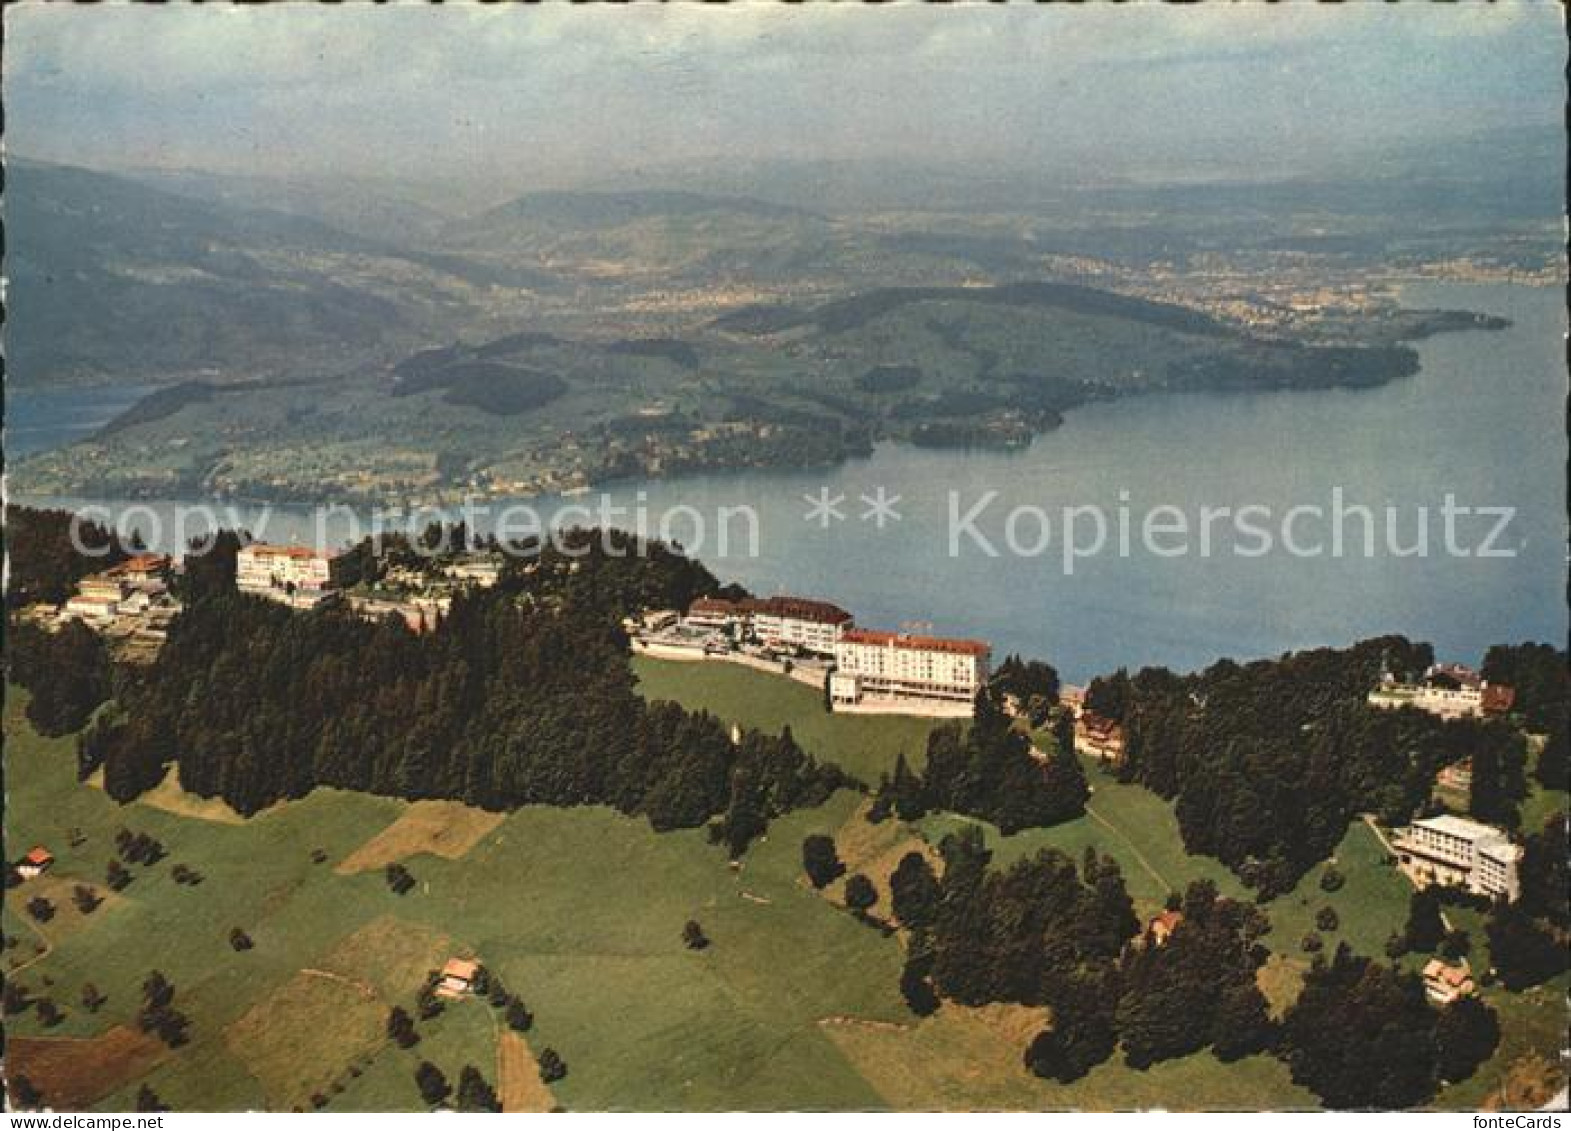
(518, 1083)
(41, 955)
(866, 1023)
(365, 989)
(1140, 856)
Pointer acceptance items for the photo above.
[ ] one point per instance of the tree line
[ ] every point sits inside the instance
(1041, 932)
(523, 694)
(1267, 762)
(43, 562)
(992, 771)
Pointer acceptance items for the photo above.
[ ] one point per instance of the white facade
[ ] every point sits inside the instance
(779, 629)
(480, 571)
(292, 574)
(1457, 852)
(712, 614)
(776, 622)
(1448, 691)
(91, 609)
(888, 665)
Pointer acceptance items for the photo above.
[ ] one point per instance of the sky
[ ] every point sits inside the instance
(555, 95)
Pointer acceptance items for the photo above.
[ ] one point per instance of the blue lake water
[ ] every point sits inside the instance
(37, 420)
(1482, 422)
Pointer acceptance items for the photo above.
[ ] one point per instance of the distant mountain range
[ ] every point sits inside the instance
(161, 276)
(111, 280)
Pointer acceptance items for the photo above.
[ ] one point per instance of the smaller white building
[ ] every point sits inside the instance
(93, 610)
(295, 575)
(789, 623)
(1449, 691)
(712, 614)
(1458, 852)
(480, 570)
(797, 622)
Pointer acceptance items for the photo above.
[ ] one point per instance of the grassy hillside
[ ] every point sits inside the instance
(794, 1005)
(865, 746)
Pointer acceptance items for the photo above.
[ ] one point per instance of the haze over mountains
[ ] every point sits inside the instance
(156, 275)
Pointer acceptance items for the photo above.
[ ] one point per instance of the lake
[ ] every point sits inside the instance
(37, 420)
(1482, 422)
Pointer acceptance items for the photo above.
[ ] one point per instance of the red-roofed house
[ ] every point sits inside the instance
(457, 978)
(144, 571)
(1445, 983)
(1162, 926)
(712, 613)
(796, 622)
(37, 861)
(779, 622)
(1099, 737)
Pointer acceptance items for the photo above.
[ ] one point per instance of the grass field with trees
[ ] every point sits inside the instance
(580, 912)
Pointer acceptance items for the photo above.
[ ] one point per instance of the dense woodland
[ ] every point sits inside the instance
(1363, 1035)
(1043, 933)
(1268, 762)
(67, 673)
(523, 694)
(990, 770)
(43, 563)
(1039, 932)
(1542, 679)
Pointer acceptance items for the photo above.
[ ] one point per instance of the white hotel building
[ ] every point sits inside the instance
(893, 666)
(777, 622)
(295, 575)
(796, 622)
(1456, 852)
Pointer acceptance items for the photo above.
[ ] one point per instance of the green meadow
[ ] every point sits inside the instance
(580, 912)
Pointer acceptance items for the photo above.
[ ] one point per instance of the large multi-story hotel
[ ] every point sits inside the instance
(894, 665)
(295, 575)
(778, 622)
(1456, 852)
(796, 622)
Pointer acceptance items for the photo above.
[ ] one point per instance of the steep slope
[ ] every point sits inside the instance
(112, 280)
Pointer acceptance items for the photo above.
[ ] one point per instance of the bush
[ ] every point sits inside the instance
(860, 894)
(821, 860)
(552, 1066)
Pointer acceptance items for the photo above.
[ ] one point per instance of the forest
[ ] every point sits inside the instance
(1043, 933)
(523, 694)
(1267, 762)
(991, 771)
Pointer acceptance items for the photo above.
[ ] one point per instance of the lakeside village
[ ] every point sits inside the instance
(860, 670)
